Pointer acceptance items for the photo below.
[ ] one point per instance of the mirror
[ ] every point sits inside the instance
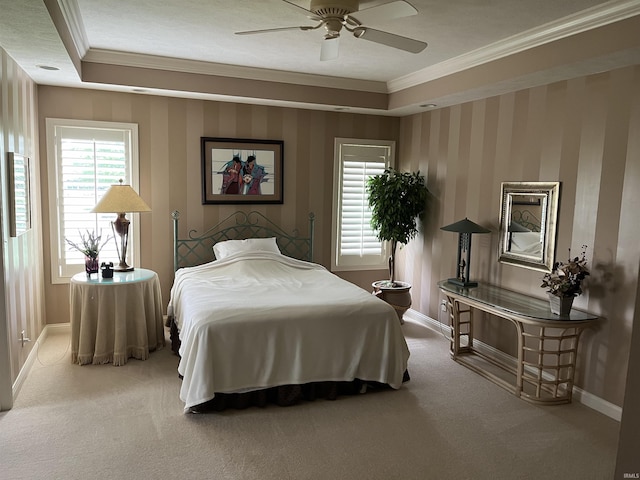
(528, 219)
(19, 194)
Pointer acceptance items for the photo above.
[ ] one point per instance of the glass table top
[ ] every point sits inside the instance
(513, 302)
(137, 275)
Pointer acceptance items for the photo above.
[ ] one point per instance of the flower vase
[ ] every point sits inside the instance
(560, 305)
(91, 265)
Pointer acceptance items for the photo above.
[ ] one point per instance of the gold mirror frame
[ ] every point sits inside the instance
(528, 218)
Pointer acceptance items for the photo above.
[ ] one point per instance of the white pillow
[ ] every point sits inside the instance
(230, 247)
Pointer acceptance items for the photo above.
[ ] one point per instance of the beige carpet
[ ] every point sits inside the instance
(105, 422)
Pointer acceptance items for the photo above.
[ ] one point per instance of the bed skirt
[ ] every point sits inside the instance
(284, 395)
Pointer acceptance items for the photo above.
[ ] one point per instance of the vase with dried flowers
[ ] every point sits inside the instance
(564, 282)
(90, 245)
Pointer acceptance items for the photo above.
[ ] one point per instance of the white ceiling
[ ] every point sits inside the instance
(198, 36)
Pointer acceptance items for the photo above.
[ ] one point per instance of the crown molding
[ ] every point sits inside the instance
(73, 19)
(127, 59)
(597, 16)
(589, 19)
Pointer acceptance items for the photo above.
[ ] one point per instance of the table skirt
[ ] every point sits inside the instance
(110, 324)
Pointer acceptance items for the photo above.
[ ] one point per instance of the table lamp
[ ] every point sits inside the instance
(120, 199)
(464, 228)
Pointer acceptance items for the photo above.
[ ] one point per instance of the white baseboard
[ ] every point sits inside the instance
(592, 401)
(33, 354)
(26, 368)
(55, 328)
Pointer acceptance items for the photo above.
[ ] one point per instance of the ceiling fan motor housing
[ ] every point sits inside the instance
(334, 8)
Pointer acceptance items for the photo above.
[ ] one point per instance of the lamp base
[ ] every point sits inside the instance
(123, 268)
(461, 283)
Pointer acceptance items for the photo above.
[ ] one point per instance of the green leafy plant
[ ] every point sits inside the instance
(89, 244)
(396, 199)
(565, 280)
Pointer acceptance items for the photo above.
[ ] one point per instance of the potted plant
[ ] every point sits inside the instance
(396, 199)
(90, 246)
(564, 282)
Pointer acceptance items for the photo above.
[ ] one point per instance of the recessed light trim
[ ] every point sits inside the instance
(428, 105)
(48, 67)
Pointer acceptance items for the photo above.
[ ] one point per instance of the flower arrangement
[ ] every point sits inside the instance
(89, 244)
(565, 280)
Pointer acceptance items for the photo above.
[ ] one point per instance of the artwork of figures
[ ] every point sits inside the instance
(242, 171)
(243, 175)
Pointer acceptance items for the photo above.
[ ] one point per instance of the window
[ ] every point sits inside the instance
(354, 244)
(85, 159)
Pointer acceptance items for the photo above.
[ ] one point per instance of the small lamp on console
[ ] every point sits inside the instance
(120, 199)
(464, 228)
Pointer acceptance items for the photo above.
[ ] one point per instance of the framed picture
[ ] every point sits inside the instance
(241, 171)
(19, 194)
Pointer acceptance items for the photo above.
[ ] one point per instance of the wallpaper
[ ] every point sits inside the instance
(22, 286)
(581, 132)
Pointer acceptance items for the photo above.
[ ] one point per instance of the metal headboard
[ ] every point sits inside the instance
(198, 248)
(527, 219)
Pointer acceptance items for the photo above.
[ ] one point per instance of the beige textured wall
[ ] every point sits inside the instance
(170, 175)
(22, 256)
(582, 132)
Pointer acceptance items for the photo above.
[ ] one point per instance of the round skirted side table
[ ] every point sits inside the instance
(114, 319)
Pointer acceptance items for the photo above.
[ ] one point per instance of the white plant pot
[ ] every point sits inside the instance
(398, 295)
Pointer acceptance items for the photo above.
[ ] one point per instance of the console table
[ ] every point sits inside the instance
(547, 343)
(114, 319)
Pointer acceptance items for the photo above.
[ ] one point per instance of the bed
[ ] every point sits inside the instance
(255, 321)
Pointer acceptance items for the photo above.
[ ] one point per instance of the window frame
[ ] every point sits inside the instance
(351, 262)
(61, 273)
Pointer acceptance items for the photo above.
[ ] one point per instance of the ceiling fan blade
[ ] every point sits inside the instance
(330, 48)
(309, 13)
(297, 6)
(390, 39)
(384, 12)
(280, 29)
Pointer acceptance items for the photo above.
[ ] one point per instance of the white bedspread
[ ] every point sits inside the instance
(526, 243)
(259, 320)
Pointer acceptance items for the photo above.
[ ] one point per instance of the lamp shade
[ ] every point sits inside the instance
(465, 226)
(121, 199)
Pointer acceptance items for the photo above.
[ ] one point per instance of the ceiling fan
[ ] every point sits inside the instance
(334, 15)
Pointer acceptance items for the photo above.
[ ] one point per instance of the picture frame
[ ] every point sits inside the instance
(19, 175)
(239, 171)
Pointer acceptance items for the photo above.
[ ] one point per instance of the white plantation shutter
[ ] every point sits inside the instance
(356, 235)
(89, 158)
(355, 245)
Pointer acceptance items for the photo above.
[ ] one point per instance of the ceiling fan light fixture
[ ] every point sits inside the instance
(330, 48)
